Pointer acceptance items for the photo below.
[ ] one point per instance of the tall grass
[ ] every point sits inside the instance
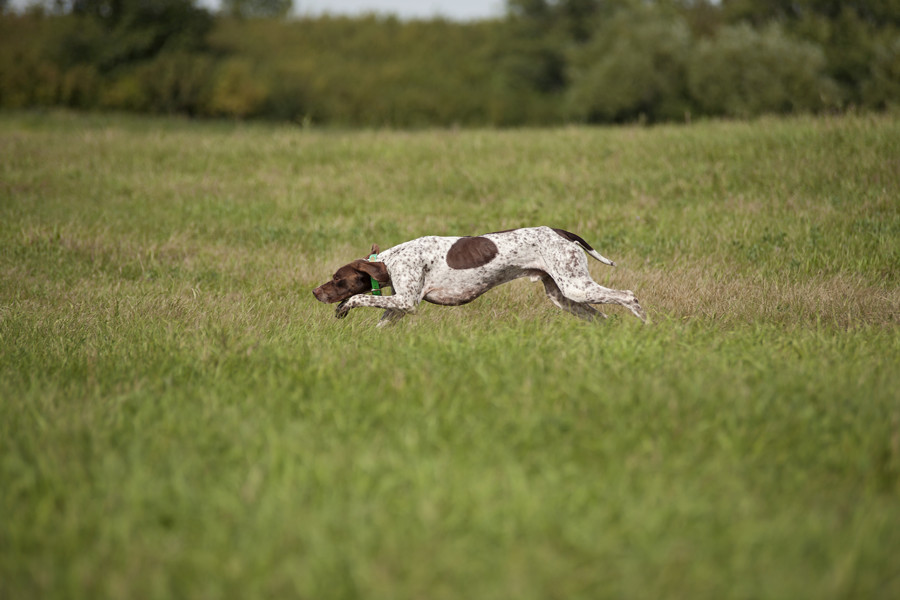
(180, 418)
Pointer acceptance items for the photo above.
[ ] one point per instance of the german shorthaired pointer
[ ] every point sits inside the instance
(456, 270)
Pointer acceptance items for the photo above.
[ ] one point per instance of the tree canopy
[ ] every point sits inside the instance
(544, 62)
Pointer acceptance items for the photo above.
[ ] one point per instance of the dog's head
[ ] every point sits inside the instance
(352, 279)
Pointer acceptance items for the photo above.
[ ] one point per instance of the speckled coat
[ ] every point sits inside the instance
(456, 270)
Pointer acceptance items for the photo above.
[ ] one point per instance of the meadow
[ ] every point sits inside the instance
(179, 418)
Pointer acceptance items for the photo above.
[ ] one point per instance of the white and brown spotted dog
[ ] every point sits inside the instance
(456, 270)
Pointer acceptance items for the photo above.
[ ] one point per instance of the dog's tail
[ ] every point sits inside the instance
(600, 257)
(587, 247)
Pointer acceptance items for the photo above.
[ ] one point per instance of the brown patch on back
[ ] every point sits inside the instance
(471, 252)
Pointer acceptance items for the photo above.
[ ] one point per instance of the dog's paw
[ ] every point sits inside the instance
(638, 311)
(341, 311)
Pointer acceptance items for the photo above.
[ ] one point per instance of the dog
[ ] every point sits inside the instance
(451, 271)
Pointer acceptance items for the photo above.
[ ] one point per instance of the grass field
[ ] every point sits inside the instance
(179, 418)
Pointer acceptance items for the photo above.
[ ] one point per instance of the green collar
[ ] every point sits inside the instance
(376, 288)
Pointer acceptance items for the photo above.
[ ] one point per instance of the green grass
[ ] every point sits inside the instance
(179, 418)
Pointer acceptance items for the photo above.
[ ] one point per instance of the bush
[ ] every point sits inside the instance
(237, 91)
(124, 92)
(178, 82)
(134, 31)
(27, 76)
(882, 89)
(548, 62)
(633, 67)
(743, 72)
(289, 96)
(80, 87)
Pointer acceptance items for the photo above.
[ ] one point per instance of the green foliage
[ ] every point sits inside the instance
(546, 62)
(882, 89)
(528, 78)
(236, 92)
(176, 82)
(80, 87)
(132, 31)
(634, 66)
(179, 418)
(851, 34)
(743, 72)
(28, 76)
(371, 71)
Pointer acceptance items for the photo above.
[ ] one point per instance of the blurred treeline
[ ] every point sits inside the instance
(545, 62)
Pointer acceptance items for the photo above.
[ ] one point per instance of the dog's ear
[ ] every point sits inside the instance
(375, 249)
(375, 270)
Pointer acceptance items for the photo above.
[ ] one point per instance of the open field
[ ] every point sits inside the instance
(179, 418)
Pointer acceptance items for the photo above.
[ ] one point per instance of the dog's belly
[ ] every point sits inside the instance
(464, 290)
(456, 297)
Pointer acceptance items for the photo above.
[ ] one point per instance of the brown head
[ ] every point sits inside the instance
(352, 279)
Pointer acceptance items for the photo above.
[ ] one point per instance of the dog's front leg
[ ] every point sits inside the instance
(408, 291)
(401, 303)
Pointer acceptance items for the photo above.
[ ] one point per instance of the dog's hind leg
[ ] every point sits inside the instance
(591, 292)
(580, 310)
(569, 270)
(390, 317)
